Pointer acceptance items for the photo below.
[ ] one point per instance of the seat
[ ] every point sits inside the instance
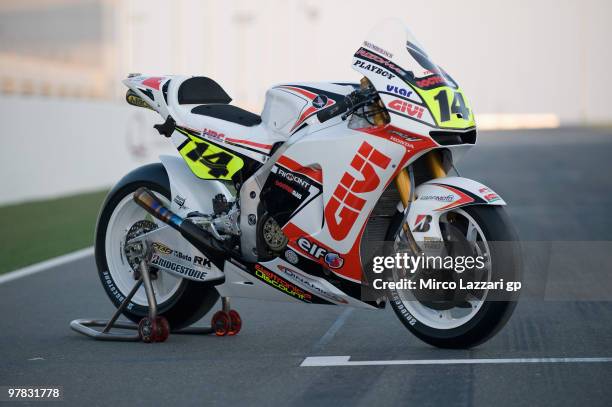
(229, 113)
(213, 101)
(201, 89)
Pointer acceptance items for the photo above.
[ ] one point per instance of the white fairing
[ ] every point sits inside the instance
(289, 106)
(281, 110)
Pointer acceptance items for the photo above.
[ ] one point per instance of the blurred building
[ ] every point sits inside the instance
(519, 57)
(522, 63)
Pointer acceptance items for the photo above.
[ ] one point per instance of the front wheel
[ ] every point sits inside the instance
(182, 302)
(466, 320)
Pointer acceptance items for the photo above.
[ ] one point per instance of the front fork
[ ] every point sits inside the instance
(402, 180)
(404, 187)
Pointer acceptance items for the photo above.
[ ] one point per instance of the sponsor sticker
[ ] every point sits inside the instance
(291, 256)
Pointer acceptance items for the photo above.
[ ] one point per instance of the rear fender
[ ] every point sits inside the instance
(441, 195)
(190, 193)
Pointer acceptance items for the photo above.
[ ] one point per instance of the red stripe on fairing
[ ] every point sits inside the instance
(310, 172)
(249, 143)
(311, 109)
(463, 198)
(304, 92)
(307, 113)
(153, 82)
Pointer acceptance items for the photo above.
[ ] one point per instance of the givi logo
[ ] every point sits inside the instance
(408, 108)
(344, 206)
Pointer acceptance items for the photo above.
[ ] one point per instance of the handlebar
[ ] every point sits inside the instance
(351, 102)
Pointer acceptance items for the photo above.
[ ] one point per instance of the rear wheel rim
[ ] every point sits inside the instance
(124, 215)
(454, 317)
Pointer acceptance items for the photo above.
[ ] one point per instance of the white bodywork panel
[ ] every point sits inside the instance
(190, 193)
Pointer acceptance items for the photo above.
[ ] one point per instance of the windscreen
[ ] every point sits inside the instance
(410, 84)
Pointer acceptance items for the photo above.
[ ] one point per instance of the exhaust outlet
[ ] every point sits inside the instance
(149, 202)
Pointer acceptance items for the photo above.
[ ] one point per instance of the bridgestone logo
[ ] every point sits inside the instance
(447, 198)
(186, 271)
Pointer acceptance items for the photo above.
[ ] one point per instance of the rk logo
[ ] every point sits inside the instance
(344, 206)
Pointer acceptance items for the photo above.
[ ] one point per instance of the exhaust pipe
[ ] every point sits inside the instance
(194, 234)
(145, 198)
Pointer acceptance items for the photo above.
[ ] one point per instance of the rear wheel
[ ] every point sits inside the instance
(464, 320)
(182, 302)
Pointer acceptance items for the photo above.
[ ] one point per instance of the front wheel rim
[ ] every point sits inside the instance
(457, 316)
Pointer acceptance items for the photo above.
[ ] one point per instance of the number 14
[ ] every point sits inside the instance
(458, 106)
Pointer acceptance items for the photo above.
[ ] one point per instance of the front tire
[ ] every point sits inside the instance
(182, 302)
(489, 316)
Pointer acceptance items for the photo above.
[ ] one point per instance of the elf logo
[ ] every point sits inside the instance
(332, 259)
(344, 206)
(406, 107)
(422, 223)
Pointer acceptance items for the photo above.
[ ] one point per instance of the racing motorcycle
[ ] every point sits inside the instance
(282, 205)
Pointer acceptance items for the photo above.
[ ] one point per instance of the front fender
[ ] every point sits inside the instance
(437, 196)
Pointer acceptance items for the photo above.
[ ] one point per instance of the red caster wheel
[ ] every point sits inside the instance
(235, 323)
(153, 330)
(163, 329)
(221, 323)
(147, 329)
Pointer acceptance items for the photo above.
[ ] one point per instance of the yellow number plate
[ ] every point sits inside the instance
(208, 161)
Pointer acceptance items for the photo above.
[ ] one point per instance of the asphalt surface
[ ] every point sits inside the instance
(558, 186)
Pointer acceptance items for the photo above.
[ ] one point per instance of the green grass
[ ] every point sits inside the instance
(36, 231)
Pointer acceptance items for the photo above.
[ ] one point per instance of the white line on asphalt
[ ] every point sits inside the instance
(333, 329)
(322, 361)
(47, 264)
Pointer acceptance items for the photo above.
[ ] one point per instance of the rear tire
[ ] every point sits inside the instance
(492, 315)
(187, 301)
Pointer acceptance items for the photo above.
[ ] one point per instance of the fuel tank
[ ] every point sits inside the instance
(290, 107)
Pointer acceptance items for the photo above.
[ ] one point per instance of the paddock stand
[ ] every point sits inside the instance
(154, 328)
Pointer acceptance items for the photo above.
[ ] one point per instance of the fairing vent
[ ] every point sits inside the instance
(452, 138)
(378, 224)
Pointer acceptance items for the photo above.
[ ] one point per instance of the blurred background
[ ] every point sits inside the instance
(66, 129)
